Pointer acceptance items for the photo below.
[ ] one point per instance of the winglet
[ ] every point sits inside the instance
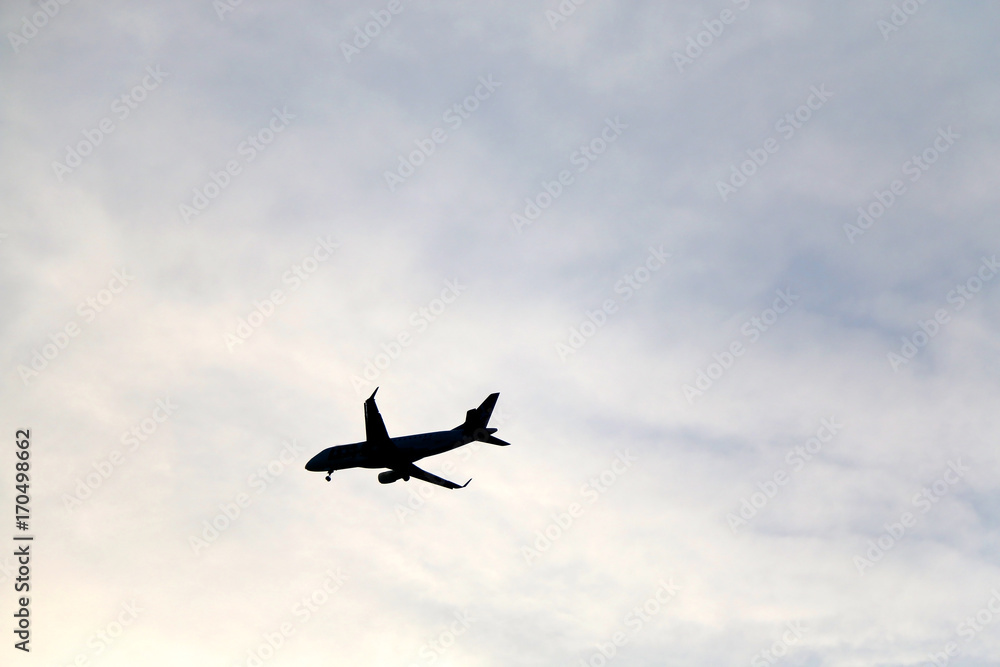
(373, 394)
(466, 484)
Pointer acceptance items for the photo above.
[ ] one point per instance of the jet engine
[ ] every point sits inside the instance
(390, 476)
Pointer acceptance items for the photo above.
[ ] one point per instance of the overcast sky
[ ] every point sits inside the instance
(731, 265)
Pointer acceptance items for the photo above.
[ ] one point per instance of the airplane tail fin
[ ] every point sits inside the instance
(476, 421)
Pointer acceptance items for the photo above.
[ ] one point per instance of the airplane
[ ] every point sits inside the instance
(398, 454)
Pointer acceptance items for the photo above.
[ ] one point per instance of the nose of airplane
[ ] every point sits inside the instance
(318, 462)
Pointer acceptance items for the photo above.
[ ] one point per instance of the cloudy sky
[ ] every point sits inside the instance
(731, 265)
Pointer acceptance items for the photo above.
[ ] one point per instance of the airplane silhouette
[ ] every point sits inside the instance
(398, 454)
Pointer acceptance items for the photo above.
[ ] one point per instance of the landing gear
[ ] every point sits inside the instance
(328, 473)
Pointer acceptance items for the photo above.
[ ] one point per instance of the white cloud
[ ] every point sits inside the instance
(164, 335)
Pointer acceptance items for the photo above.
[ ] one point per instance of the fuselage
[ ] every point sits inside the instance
(408, 448)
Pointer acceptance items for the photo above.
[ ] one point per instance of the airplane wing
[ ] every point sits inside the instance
(375, 433)
(414, 471)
